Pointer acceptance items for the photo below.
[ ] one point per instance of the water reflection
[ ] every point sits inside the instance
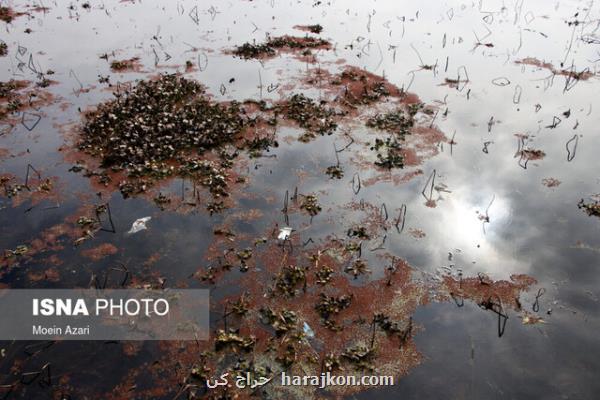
(491, 214)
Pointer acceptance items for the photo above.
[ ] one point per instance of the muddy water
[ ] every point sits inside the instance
(488, 210)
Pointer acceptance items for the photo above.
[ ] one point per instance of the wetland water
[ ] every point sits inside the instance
(459, 262)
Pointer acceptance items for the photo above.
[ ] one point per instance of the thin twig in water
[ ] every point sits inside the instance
(430, 183)
(401, 220)
(572, 147)
(356, 185)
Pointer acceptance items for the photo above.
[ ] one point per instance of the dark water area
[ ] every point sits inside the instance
(512, 88)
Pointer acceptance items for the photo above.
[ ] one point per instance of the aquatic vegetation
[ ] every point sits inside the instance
(154, 122)
(360, 357)
(323, 275)
(397, 122)
(147, 130)
(571, 73)
(125, 65)
(532, 154)
(335, 172)
(316, 28)
(389, 153)
(402, 331)
(592, 209)
(317, 119)
(286, 293)
(234, 340)
(161, 201)
(18, 251)
(281, 322)
(270, 47)
(257, 145)
(99, 252)
(8, 95)
(482, 290)
(362, 88)
(357, 268)
(34, 189)
(359, 232)
(6, 14)
(243, 257)
(551, 182)
(241, 306)
(329, 307)
(288, 279)
(311, 205)
(249, 50)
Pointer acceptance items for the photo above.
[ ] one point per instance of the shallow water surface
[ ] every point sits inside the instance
(500, 156)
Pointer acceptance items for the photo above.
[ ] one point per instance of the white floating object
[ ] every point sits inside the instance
(308, 331)
(139, 225)
(284, 233)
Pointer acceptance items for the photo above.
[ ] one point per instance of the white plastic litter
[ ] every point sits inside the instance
(308, 331)
(139, 225)
(284, 233)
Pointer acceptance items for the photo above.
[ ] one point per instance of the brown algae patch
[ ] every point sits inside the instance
(99, 252)
(18, 96)
(570, 73)
(531, 154)
(483, 291)
(50, 275)
(132, 64)
(316, 28)
(551, 182)
(301, 314)
(7, 14)
(34, 189)
(11, 97)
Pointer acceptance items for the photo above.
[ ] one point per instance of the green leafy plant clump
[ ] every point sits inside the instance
(315, 117)
(398, 123)
(270, 47)
(155, 122)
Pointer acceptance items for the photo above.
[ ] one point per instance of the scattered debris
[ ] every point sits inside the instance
(284, 233)
(139, 225)
(531, 319)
